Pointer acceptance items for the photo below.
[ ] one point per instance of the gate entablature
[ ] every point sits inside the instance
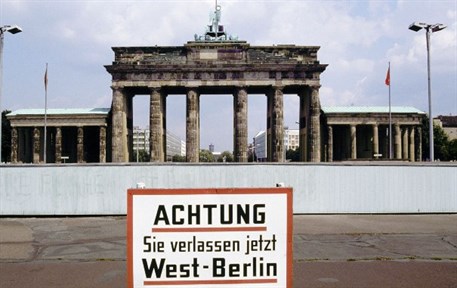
(222, 64)
(217, 67)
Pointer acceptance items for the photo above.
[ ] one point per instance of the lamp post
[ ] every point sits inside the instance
(13, 29)
(429, 29)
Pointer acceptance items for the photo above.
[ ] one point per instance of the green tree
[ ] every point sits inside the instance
(440, 141)
(6, 138)
(206, 156)
(143, 156)
(453, 149)
(293, 155)
(425, 139)
(178, 158)
(441, 144)
(228, 157)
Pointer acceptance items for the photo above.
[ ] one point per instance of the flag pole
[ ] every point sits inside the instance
(390, 116)
(45, 110)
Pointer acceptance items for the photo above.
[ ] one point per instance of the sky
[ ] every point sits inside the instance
(357, 40)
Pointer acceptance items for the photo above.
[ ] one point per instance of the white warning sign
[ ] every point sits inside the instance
(210, 237)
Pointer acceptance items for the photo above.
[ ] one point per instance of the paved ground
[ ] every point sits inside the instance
(329, 251)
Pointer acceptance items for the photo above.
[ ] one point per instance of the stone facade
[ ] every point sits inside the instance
(221, 67)
(73, 135)
(362, 133)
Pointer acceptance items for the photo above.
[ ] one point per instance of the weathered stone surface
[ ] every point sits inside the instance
(397, 141)
(102, 144)
(315, 129)
(240, 129)
(193, 126)
(411, 145)
(119, 126)
(36, 145)
(353, 142)
(80, 145)
(375, 139)
(278, 126)
(215, 68)
(14, 145)
(374, 127)
(58, 145)
(156, 125)
(66, 129)
(330, 144)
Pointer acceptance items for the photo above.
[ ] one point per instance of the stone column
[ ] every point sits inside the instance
(276, 124)
(102, 144)
(330, 144)
(129, 103)
(397, 141)
(304, 124)
(58, 145)
(405, 133)
(192, 125)
(419, 150)
(164, 125)
(36, 145)
(315, 125)
(412, 148)
(80, 145)
(240, 125)
(375, 140)
(156, 125)
(14, 145)
(120, 151)
(353, 142)
(268, 148)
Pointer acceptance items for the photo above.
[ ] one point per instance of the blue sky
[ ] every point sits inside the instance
(357, 40)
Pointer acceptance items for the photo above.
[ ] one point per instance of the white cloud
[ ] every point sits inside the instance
(17, 6)
(321, 23)
(355, 66)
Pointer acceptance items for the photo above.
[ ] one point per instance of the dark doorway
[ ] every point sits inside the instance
(91, 144)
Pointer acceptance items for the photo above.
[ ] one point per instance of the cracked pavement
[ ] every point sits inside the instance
(329, 251)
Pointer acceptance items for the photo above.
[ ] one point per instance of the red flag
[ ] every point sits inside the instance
(46, 78)
(388, 77)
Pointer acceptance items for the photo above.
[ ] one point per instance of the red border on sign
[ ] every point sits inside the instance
(210, 229)
(133, 192)
(209, 282)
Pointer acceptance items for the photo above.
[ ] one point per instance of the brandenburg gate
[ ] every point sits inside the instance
(231, 67)
(216, 64)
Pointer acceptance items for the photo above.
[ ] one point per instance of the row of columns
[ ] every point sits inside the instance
(37, 145)
(403, 142)
(309, 121)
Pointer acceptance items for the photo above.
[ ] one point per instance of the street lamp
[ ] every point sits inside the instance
(429, 28)
(13, 29)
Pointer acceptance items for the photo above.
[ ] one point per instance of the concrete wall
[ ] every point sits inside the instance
(318, 188)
